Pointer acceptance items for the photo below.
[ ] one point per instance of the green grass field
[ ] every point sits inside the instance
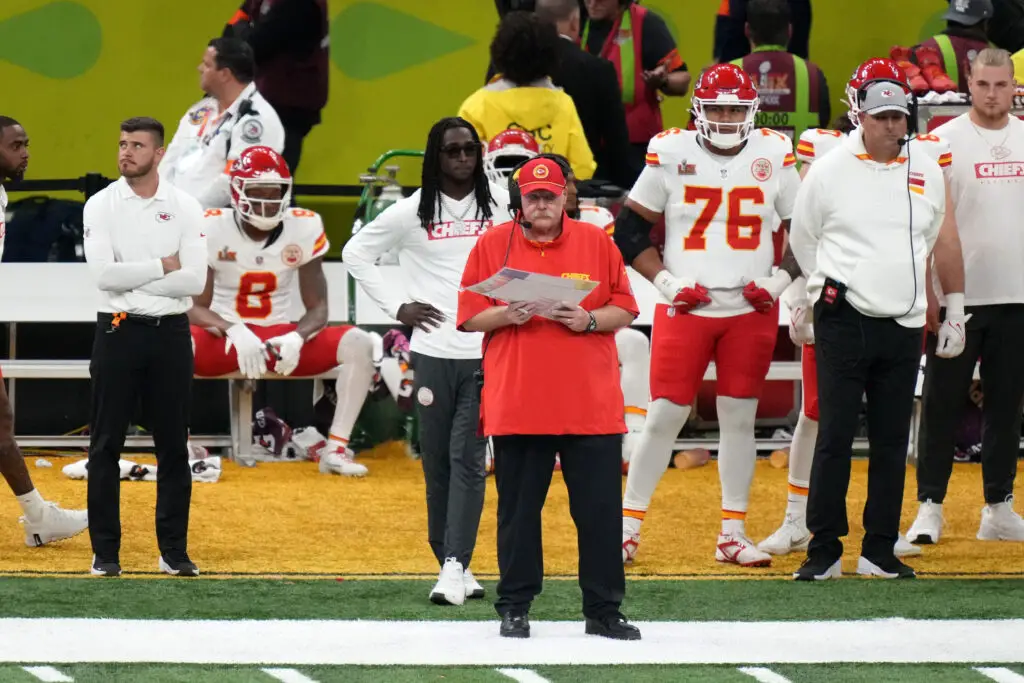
(295, 630)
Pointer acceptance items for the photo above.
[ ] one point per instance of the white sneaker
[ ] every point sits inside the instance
(903, 548)
(738, 549)
(56, 525)
(999, 522)
(474, 591)
(927, 526)
(630, 544)
(339, 461)
(450, 588)
(792, 536)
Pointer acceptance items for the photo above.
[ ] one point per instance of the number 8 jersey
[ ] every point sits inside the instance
(254, 282)
(720, 211)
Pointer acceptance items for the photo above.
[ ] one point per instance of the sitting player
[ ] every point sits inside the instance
(719, 189)
(241, 320)
(505, 151)
(633, 346)
(814, 144)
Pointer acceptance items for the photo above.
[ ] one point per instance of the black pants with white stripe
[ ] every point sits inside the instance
(151, 359)
(995, 335)
(447, 401)
(859, 355)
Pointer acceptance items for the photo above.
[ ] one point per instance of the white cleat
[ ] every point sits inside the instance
(56, 525)
(903, 548)
(630, 543)
(738, 549)
(927, 526)
(999, 522)
(792, 536)
(340, 461)
(474, 591)
(450, 588)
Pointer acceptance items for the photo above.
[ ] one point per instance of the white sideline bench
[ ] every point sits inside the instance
(66, 293)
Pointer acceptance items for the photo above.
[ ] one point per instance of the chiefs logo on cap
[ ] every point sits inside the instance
(888, 93)
(540, 172)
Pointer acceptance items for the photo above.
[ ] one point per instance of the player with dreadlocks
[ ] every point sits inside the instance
(432, 232)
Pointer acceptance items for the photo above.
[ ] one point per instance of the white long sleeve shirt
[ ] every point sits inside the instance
(431, 260)
(207, 142)
(871, 227)
(126, 236)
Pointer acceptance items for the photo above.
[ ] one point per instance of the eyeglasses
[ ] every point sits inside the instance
(455, 151)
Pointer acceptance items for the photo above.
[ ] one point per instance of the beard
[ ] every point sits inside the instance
(138, 171)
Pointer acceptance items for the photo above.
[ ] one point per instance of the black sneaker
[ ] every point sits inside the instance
(178, 567)
(515, 626)
(105, 567)
(614, 627)
(888, 567)
(819, 568)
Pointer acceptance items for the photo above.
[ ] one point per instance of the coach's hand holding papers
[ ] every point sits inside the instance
(543, 292)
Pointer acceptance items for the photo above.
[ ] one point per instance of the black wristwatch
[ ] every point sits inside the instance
(593, 322)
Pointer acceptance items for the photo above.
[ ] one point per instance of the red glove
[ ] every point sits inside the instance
(689, 298)
(759, 297)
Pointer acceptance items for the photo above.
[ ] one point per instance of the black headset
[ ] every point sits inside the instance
(515, 197)
(911, 132)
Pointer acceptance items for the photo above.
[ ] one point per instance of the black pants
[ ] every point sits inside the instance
(149, 358)
(448, 405)
(592, 468)
(994, 334)
(860, 355)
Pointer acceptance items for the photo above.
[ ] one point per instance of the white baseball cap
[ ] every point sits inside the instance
(881, 97)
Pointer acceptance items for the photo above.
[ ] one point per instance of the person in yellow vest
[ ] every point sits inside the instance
(965, 35)
(637, 41)
(794, 92)
(522, 95)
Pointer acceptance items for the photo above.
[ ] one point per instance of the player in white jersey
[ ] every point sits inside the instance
(257, 252)
(814, 144)
(720, 189)
(633, 347)
(44, 521)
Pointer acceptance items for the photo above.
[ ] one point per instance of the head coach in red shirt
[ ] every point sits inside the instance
(552, 387)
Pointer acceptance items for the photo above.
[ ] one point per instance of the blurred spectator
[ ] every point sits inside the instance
(638, 43)
(593, 85)
(525, 53)
(955, 47)
(731, 42)
(212, 133)
(290, 42)
(1006, 28)
(793, 92)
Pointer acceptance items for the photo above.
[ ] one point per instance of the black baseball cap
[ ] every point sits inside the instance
(968, 12)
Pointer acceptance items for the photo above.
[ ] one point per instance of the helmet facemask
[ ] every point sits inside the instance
(257, 203)
(724, 135)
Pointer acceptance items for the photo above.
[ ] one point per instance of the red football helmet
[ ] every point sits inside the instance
(724, 85)
(506, 150)
(875, 69)
(261, 168)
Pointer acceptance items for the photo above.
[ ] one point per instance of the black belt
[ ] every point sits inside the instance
(115, 320)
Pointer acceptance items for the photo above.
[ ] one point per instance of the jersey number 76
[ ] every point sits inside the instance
(743, 231)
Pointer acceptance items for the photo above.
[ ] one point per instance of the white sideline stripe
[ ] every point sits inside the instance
(523, 675)
(763, 675)
(48, 674)
(288, 676)
(416, 643)
(1000, 675)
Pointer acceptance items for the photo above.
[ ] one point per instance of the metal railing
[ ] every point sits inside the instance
(91, 183)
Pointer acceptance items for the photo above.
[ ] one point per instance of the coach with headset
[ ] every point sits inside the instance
(866, 219)
(231, 118)
(550, 384)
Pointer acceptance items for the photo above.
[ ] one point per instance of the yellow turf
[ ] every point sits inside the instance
(287, 518)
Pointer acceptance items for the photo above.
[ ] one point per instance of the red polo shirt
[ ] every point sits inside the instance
(541, 377)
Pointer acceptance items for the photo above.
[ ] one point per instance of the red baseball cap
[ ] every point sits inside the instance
(541, 174)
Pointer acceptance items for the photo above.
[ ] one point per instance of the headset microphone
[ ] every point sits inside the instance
(902, 141)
